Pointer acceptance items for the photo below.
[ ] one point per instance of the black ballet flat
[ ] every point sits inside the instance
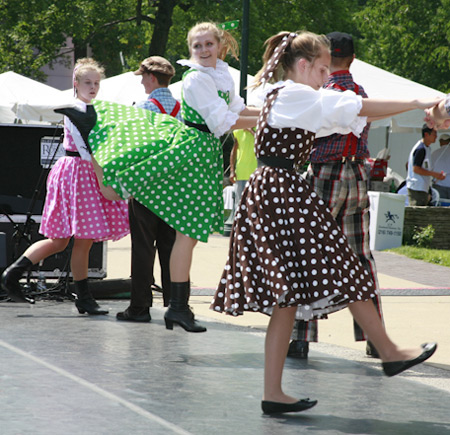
(280, 408)
(396, 367)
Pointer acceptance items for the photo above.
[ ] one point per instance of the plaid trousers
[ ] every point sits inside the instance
(343, 188)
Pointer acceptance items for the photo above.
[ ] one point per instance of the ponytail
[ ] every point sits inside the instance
(284, 49)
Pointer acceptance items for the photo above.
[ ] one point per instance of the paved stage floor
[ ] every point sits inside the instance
(64, 373)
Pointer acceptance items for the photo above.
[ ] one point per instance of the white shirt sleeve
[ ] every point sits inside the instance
(323, 112)
(200, 93)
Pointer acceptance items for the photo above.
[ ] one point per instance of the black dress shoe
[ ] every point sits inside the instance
(396, 367)
(298, 349)
(371, 351)
(130, 315)
(280, 408)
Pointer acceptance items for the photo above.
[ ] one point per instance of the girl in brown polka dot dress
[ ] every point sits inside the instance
(288, 258)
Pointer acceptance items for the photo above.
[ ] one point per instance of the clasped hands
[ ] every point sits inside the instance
(437, 116)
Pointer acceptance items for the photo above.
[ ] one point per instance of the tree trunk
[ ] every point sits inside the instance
(80, 49)
(163, 22)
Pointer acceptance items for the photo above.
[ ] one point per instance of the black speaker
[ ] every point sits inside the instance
(25, 154)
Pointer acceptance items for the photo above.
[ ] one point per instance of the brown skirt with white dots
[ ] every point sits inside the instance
(286, 249)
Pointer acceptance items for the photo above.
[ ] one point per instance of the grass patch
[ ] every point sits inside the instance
(435, 256)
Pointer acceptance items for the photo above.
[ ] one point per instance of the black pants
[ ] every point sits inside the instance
(148, 234)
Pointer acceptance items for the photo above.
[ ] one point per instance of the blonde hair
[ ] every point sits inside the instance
(224, 38)
(305, 45)
(85, 65)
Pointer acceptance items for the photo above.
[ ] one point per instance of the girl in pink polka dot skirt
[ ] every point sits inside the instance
(288, 257)
(74, 205)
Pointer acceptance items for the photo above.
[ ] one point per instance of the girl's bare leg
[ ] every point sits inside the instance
(181, 258)
(367, 317)
(276, 347)
(44, 248)
(79, 262)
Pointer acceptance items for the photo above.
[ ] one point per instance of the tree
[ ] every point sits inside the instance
(123, 32)
(410, 39)
(34, 33)
(30, 37)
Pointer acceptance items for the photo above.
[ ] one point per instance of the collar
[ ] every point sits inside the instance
(220, 74)
(159, 91)
(220, 66)
(340, 72)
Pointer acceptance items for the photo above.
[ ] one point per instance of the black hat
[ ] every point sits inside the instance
(341, 44)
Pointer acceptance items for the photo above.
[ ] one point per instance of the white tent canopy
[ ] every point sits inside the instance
(127, 89)
(15, 88)
(123, 89)
(379, 83)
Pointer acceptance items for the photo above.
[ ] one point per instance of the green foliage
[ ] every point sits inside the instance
(410, 39)
(420, 236)
(120, 32)
(30, 37)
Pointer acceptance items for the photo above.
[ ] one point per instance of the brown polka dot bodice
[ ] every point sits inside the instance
(290, 143)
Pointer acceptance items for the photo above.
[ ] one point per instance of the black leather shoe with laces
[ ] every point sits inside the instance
(133, 315)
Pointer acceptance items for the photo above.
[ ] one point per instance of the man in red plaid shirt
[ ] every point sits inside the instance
(338, 175)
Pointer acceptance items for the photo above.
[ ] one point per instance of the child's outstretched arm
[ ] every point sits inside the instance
(380, 107)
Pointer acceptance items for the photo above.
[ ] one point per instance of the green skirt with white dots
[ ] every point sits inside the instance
(174, 170)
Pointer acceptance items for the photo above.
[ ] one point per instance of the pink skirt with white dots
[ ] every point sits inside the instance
(74, 205)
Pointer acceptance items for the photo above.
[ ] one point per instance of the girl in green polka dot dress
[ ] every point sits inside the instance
(173, 169)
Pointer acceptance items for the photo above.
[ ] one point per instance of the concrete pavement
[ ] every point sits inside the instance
(61, 372)
(416, 310)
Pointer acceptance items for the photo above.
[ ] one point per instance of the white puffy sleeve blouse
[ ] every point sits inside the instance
(200, 92)
(323, 112)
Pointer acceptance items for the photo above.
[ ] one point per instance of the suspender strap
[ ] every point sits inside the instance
(351, 143)
(174, 112)
(157, 103)
(176, 109)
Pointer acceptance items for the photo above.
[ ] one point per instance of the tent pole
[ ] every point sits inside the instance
(244, 48)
